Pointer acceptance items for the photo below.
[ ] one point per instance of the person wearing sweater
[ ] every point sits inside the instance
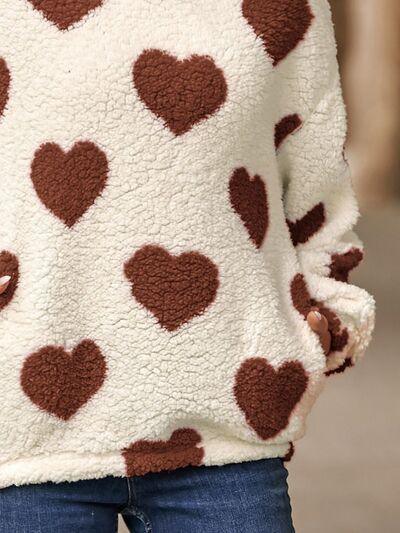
(175, 248)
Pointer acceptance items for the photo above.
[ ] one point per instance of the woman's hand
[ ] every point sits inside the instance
(4, 282)
(319, 324)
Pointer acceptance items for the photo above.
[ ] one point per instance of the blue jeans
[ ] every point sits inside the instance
(249, 497)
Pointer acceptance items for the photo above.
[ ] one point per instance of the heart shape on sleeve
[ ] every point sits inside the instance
(248, 197)
(281, 24)
(285, 127)
(304, 228)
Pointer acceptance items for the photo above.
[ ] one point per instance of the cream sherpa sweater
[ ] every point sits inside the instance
(174, 200)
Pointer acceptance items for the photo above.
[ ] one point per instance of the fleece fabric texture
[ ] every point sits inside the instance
(174, 201)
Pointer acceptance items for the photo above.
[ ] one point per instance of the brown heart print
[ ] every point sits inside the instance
(342, 264)
(285, 127)
(68, 183)
(304, 303)
(66, 13)
(267, 396)
(180, 450)
(61, 382)
(8, 267)
(174, 289)
(302, 229)
(181, 93)
(5, 80)
(347, 363)
(281, 24)
(248, 197)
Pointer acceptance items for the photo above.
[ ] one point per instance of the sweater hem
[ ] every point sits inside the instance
(71, 466)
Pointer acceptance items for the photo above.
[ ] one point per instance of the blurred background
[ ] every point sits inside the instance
(345, 475)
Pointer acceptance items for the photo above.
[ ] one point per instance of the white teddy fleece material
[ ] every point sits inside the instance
(174, 201)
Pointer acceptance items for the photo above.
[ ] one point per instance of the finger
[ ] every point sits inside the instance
(326, 342)
(318, 322)
(4, 283)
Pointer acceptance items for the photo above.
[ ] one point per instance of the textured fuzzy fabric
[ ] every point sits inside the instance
(342, 264)
(174, 200)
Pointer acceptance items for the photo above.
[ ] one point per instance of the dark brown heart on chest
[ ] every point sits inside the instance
(4, 84)
(61, 382)
(181, 93)
(65, 13)
(174, 289)
(281, 24)
(267, 396)
(68, 183)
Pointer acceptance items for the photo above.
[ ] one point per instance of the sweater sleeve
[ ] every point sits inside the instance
(321, 212)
